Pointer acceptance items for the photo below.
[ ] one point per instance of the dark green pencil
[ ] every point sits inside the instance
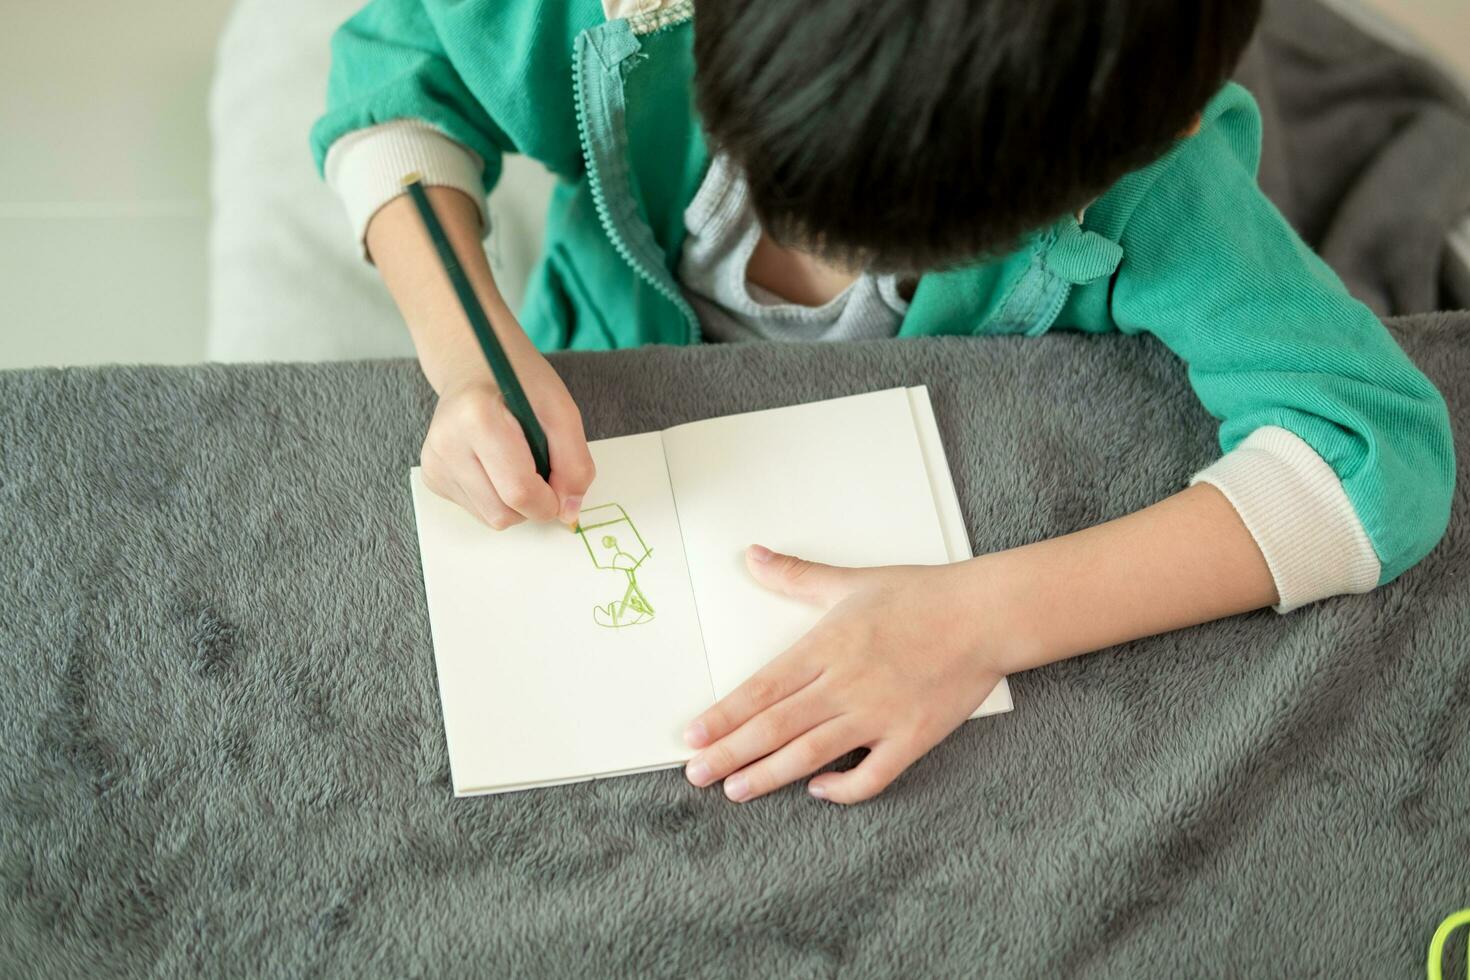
(505, 376)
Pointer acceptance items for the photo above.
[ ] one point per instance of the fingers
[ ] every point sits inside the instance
(824, 585)
(464, 482)
(506, 459)
(800, 757)
(760, 736)
(773, 683)
(887, 760)
(572, 472)
(474, 430)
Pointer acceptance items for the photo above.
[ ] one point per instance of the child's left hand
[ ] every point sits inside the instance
(906, 653)
(903, 656)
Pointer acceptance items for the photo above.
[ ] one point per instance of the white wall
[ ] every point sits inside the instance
(1442, 24)
(104, 179)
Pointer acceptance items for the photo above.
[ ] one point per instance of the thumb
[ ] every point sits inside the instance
(572, 472)
(824, 585)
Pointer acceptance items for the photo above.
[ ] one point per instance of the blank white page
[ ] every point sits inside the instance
(844, 481)
(535, 690)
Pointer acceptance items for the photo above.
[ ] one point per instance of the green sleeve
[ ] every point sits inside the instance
(1272, 338)
(388, 63)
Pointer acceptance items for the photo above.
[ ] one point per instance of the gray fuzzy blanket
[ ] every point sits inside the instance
(1367, 152)
(223, 753)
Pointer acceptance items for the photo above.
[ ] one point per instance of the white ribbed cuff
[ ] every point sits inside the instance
(366, 169)
(1294, 505)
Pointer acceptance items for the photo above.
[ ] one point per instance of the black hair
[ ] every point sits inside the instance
(920, 134)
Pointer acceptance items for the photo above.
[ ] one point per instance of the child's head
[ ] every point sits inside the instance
(918, 134)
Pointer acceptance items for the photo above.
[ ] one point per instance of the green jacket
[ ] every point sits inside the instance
(1187, 248)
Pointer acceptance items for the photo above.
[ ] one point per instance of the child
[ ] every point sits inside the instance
(827, 169)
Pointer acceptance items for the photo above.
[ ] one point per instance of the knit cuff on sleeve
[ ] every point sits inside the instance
(366, 169)
(1295, 507)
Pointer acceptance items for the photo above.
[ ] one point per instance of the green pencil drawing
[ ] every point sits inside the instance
(614, 544)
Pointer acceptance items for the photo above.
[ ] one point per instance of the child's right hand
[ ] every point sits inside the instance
(476, 455)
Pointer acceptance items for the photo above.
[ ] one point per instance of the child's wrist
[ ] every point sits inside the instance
(459, 362)
(452, 370)
(1007, 618)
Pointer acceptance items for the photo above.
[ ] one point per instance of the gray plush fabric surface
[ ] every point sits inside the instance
(1366, 150)
(223, 752)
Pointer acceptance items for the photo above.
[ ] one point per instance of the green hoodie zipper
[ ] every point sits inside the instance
(597, 79)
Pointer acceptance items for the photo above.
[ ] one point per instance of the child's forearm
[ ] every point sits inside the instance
(404, 255)
(1186, 560)
(475, 452)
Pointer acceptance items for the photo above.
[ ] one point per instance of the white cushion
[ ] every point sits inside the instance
(286, 279)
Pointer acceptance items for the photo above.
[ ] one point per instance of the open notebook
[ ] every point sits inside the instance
(566, 656)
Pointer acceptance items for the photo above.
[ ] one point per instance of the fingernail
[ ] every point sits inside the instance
(570, 508)
(761, 553)
(820, 792)
(697, 773)
(695, 735)
(736, 789)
